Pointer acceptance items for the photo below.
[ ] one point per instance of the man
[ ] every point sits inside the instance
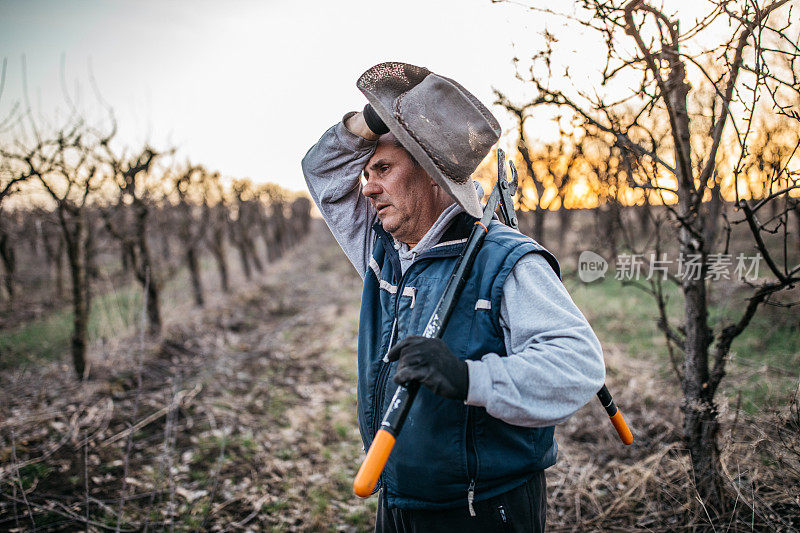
(516, 358)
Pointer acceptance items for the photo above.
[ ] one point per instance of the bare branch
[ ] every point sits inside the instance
(559, 99)
(731, 332)
(756, 231)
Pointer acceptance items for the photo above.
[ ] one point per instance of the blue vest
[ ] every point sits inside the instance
(445, 447)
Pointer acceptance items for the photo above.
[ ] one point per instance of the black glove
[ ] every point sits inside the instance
(373, 121)
(431, 363)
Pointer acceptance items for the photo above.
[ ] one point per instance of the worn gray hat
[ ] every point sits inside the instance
(445, 128)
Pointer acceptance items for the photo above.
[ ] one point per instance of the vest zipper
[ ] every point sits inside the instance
(503, 514)
(472, 458)
(471, 497)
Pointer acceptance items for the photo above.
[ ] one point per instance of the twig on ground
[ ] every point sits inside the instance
(19, 479)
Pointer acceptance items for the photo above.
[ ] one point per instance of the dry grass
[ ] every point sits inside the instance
(244, 419)
(601, 485)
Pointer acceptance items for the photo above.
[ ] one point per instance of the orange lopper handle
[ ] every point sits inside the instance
(622, 428)
(373, 464)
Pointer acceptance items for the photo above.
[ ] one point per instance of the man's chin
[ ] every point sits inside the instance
(389, 224)
(389, 227)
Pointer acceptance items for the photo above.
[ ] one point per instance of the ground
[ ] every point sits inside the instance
(243, 418)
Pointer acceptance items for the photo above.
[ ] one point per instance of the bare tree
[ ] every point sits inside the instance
(163, 222)
(18, 165)
(767, 169)
(128, 174)
(216, 216)
(301, 218)
(755, 59)
(528, 173)
(247, 213)
(272, 202)
(191, 229)
(548, 168)
(559, 161)
(608, 180)
(67, 170)
(279, 222)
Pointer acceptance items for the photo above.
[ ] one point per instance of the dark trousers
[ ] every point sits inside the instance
(520, 509)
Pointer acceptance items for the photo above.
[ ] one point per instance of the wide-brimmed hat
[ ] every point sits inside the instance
(445, 128)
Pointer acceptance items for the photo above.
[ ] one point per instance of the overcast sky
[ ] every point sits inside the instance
(246, 87)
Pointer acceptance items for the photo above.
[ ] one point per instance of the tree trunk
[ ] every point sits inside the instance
(607, 227)
(92, 270)
(190, 231)
(222, 267)
(270, 251)
(194, 271)
(565, 223)
(125, 261)
(526, 222)
(9, 266)
(153, 309)
(54, 248)
(216, 243)
(59, 266)
(796, 204)
(215, 240)
(538, 225)
(75, 238)
(269, 241)
(278, 221)
(166, 248)
(147, 275)
(301, 211)
(643, 212)
(712, 210)
(700, 425)
(248, 273)
(773, 205)
(254, 255)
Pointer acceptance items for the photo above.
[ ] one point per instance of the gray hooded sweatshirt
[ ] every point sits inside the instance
(554, 363)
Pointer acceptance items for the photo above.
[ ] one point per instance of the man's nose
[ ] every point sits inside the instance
(371, 188)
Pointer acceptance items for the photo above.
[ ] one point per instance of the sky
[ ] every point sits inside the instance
(246, 87)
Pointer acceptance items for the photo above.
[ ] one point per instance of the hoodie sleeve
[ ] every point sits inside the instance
(332, 169)
(555, 362)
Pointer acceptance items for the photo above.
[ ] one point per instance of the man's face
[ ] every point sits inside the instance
(407, 200)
